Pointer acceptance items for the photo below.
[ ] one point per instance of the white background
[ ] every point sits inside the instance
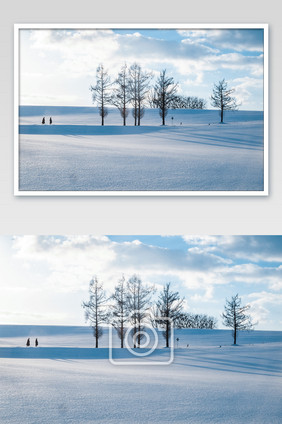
(140, 215)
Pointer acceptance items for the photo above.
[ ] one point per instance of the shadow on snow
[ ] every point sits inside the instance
(86, 129)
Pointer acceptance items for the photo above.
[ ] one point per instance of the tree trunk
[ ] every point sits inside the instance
(167, 334)
(96, 336)
(163, 117)
(138, 337)
(221, 115)
(96, 319)
(121, 333)
(134, 338)
(139, 113)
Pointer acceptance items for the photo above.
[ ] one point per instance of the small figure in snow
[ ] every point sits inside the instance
(28, 342)
(172, 118)
(50, 121)
(43, 120)
(36, 342)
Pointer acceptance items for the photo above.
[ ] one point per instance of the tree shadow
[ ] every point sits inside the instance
(84, 130)
(242, 365)
(71, 353)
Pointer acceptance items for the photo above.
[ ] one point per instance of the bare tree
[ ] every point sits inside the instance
(101, 91)
(168, 309)
(95, 308)
(164, 92)
(122, 96)
(119, 310)
(221, 98)
(139, 88)
(152, 99)
(235, 317)
(138, 302)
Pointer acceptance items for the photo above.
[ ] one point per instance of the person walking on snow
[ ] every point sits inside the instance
(36, 342)
(43, 120)
(28, 342)
(50, 121)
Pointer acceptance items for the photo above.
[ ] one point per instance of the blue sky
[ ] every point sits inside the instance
(57, 66)
(44, 279)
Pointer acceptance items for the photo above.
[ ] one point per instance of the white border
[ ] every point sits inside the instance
(181, 193)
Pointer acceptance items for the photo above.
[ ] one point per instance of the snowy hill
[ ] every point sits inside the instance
(193, 152)
(71, 115)
(77, 336)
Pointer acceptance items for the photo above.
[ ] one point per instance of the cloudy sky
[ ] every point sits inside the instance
(44, 279)
(57, 66)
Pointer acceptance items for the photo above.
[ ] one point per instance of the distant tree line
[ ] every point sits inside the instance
(179, 102)
(188, 102)
(202, 321)
(131, 90)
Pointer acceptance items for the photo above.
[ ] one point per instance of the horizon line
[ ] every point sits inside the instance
(151, 108)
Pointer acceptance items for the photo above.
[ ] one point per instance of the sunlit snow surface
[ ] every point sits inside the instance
(66, 380)
(193, 152)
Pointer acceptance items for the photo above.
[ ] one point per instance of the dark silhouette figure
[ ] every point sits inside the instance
(50, 121)
(36, 342)
(28, 342)
(43, 120)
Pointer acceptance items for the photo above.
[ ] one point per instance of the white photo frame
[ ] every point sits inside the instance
(128, 192)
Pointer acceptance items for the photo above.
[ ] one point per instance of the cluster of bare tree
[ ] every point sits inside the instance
(131, 90)
(180, 102)
(202, 321)
(131, 306)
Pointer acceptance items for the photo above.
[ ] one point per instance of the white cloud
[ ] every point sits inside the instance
(244, 88)
(69, 59)
(17, 317)
(251, 248)
(82, 50)
(234, 39)
(58, 269)
(262, 304)
(73, 260)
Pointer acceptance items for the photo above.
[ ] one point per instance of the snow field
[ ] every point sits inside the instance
(205, 384)
(77, 154)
